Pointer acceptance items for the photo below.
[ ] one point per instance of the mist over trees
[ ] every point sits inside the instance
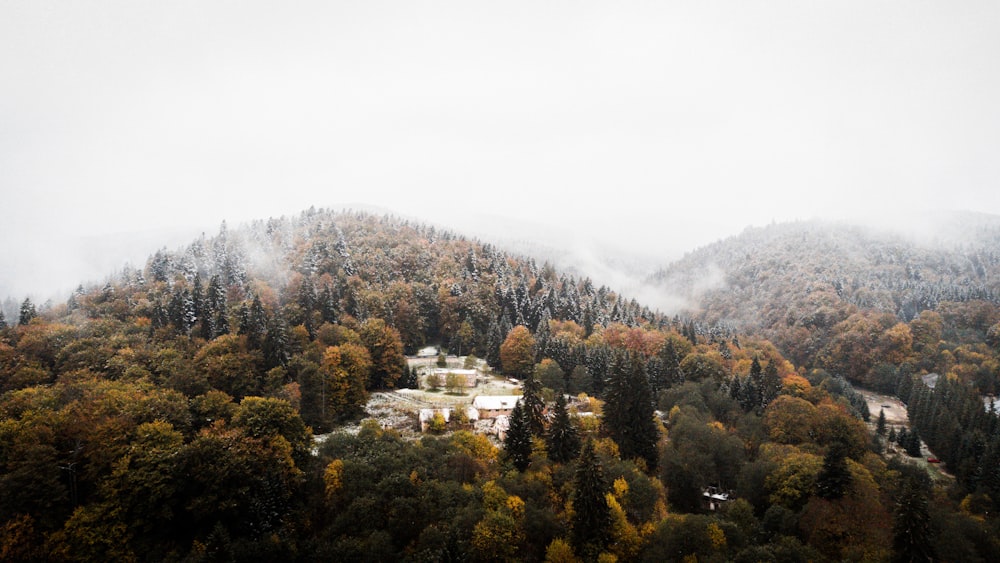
(170, 414)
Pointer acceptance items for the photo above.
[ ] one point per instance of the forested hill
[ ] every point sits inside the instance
(798, 284)
(764, 274)
(169, 415)
(426, 282)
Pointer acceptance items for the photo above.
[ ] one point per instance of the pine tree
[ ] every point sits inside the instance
(534, 406)
(771, 386)
(911, 529)
(628, 410)
(834, 478)
(591, 515)
(253, 323)
(912, 444)
(880, 423)
(3, 320)
(517, 443)
(28, 312)
(563, 439)
(275, 345)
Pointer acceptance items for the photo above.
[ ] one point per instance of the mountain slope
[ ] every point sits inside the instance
(798, 284)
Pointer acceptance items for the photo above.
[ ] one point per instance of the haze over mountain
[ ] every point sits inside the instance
(648, 128)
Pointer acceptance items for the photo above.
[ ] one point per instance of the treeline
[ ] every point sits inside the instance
(871, 306)
(169, 415)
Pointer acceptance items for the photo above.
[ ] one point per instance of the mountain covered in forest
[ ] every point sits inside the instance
(206, 406)
(795, 283)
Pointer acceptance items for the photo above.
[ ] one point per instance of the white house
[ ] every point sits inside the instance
(492, 406)
(466, 377)
(426, 415)
(428, 352)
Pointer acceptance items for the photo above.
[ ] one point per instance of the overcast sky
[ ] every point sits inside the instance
(661, 125)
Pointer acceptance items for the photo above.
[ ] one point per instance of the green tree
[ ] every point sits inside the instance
(28, 312)
(911, 530)
(563, 438)
(550, 375)
(534, 405)
(628, 410)
(265, 418)
(591, 521)
(834, 478)
(880, 423)
(517, 443)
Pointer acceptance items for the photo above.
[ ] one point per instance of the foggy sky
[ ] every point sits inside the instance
(654, 126)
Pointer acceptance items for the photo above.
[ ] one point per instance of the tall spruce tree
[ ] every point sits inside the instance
(911, 527)
(628, 410)
(534, 406)
(28, 312)
(563, 439)
(591, 521)
(834, 478)
(517, 443)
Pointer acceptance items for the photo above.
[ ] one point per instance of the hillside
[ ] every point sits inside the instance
(795, 283)
(169, 415)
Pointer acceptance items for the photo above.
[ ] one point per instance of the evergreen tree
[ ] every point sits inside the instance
(591, 515)
(880, 423)
(911, 529)
(562, 439)
(181, 309)
(517, 443)
(253, 323)
(221, 324)
(628, 410)
(771, 385)
(534, 406)
(275, 345)
(912, 444)
(834, 477)
(3, 320)
(28, 312)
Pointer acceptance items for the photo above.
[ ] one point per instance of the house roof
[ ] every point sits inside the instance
(496, 402)
(465, 372)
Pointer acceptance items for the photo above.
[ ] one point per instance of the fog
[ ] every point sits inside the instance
(613, 136)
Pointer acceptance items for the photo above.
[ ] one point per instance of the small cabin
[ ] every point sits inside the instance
(492, 406)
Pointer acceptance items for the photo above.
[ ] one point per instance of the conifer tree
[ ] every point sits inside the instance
(534, 406)
(562, 439)
(28, 312)
(517, 443)
(834, 477)
(275, 345)
(628, 410)
(253, 323)
(771, 385)
(591, 515)
(880, 423)
(911, 529)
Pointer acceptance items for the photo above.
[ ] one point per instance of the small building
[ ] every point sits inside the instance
(427, 415)
(466, 377)
(428, 352)
(472, 413)
(492, 406)
(714, 498)
(501, 425)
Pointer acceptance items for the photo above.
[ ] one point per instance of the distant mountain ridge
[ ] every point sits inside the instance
(761, 276)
